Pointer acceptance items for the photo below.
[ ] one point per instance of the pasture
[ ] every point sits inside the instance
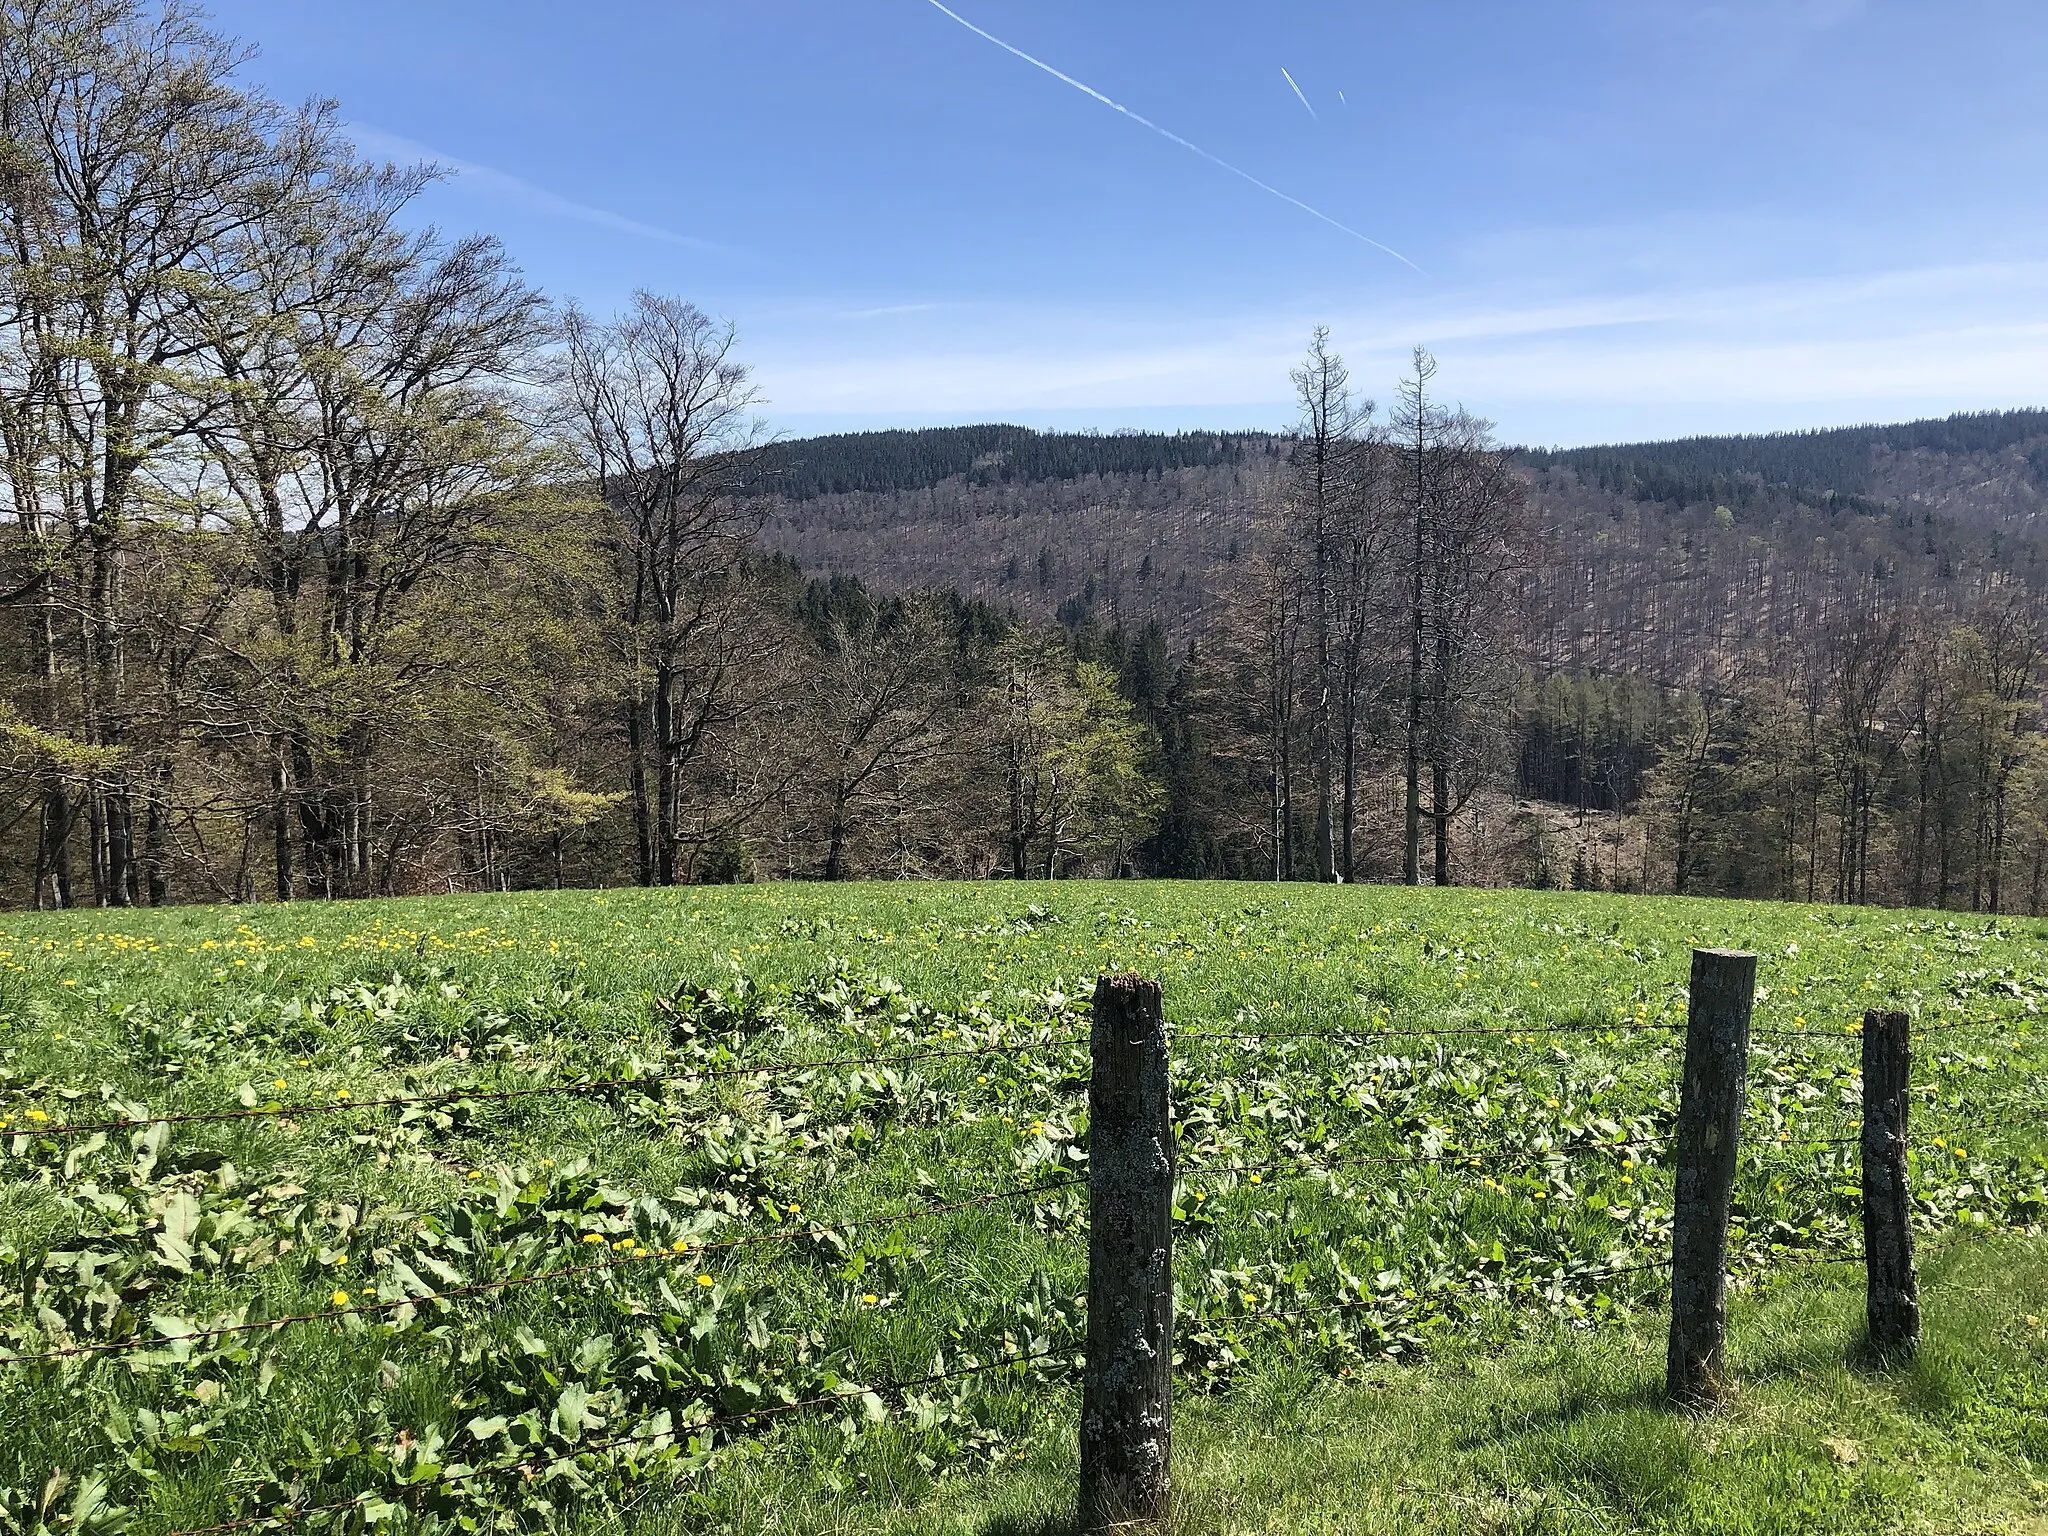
(789, 1238)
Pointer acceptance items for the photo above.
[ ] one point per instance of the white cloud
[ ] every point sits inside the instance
(1795, 353)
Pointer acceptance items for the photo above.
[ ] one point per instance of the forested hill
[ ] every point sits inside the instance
(1730, 471)
(1648, 545)
(881, 462)
(1838, 463)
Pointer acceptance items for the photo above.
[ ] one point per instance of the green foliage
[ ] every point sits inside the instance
(137, 1237)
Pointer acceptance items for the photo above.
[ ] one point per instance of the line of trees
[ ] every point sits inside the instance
(340, 561)
(1374, 628)
(1897, 756)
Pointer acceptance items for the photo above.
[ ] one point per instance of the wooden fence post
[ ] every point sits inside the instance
(1127, 1389)
(1709, 1132)
(1892, 1306)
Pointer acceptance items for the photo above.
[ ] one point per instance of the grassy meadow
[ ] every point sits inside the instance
(1409, 1264)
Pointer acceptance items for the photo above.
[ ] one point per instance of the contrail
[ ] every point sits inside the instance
(1167, 133)
(378, 142)
(1297, 91)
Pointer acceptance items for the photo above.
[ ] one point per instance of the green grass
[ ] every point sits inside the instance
(1484, 1372)
(1562, 1433)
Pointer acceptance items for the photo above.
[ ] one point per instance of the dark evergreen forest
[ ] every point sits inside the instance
(880, 462)
(1829, 465)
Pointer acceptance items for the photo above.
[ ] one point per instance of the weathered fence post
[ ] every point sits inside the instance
(1709, 1131)
(1127, 1390)
(1892, 1306)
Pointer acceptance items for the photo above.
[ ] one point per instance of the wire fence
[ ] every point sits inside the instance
(662, 1438)
(1447, 1154)
(681, 1252)
(343, 1102)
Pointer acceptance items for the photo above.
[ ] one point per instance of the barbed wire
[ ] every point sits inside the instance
(530, 1466)
(343, 1105)
(1449, 1156)
(669, 1255)
(499, 1095)
(1274, 1314)
(1453, 1157)
(1368, 1035)
(1915, 1030)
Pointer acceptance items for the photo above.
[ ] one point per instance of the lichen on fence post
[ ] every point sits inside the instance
(1127, 1390)
(1709, 1132)
(1892, 1306)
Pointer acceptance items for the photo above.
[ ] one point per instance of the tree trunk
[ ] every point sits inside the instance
(668, 786)
(835, 846)
(1411, 857)
(156, 856)
(636, 768)
(1350, 832)
(1440, 821)
(54, 863)
(281, 816)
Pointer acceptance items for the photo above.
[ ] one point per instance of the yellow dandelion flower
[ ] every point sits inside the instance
(593, 1237)
(340, 1298)
(869, 1299)
(38, 1115)
(706, 1281)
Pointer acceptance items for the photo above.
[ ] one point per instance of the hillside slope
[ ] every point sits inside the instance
(1654, 554)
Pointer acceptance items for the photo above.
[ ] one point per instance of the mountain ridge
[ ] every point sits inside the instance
(1816, 459)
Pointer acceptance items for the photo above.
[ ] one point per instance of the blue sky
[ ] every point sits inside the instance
(1626, 218)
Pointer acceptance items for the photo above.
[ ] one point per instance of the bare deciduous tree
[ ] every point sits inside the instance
(661, 411)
